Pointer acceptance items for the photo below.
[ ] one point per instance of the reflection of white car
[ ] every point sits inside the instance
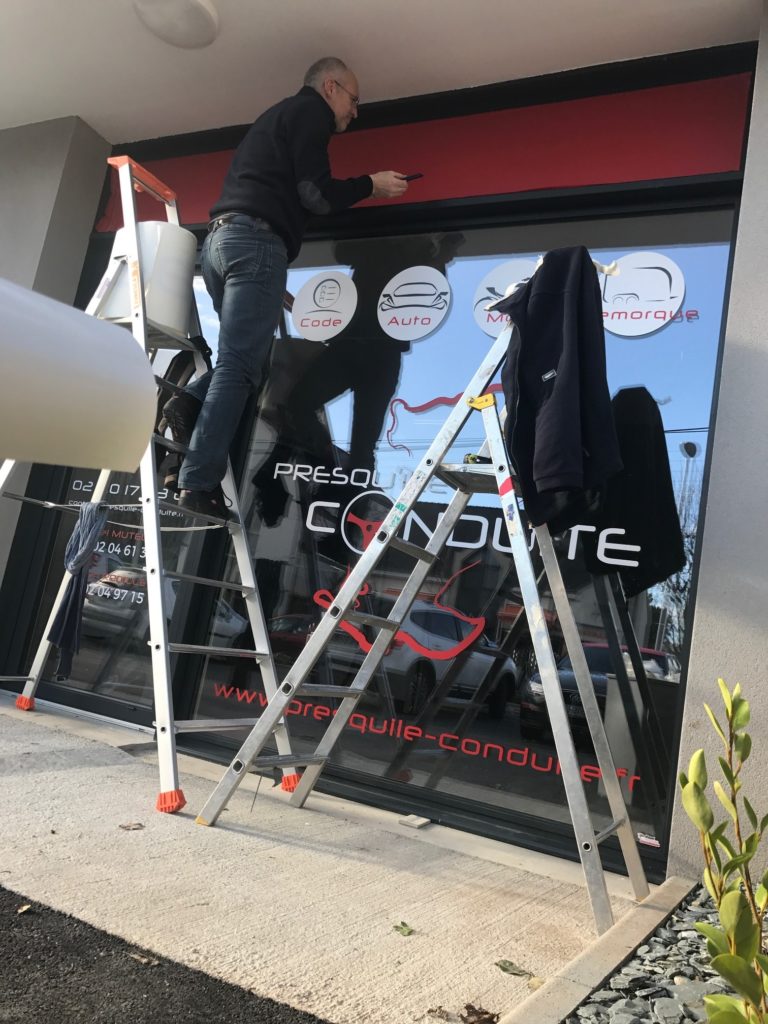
(117, 601)
(413, 673)
(422, 294)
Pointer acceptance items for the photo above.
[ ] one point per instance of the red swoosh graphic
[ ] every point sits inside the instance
(433, 403)
(324, 598)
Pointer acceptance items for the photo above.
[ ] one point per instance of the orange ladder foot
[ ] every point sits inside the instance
(25, 703)
(170, 802)
(290, 782)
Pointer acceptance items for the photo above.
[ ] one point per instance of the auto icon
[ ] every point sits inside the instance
(421, 294)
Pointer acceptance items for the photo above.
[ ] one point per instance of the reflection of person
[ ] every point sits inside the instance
(361, 359)
(279, 176)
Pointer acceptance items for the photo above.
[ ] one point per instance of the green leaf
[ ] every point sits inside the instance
(728, 1017)
(697, 807)
(727, 845)
(740, 713)
(716, 724)
(763, 961)
(682, 778)
(751, 814)
(709, 883)
(403, 928)
(761, 896)
(739, 976)
(751, 844)
(510, 968)
(731, 907)
(727, 772)
(714, 935)
(736, 691)
(743, 745)
(724, 800)
(726, 695)
(697, 769)
(720, 1001)
(730, 865)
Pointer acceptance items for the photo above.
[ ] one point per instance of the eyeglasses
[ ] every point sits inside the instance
(355, 99)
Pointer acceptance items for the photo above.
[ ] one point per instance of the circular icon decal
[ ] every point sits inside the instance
(493, 287)
(645, 295)
(362, 518)
(414, 303)
(324, 305)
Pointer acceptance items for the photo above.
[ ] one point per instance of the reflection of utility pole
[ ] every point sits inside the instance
(690, 451)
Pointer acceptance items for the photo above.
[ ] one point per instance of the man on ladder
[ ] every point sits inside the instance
(279, 177)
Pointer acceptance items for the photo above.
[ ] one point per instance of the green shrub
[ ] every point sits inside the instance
(736, 949)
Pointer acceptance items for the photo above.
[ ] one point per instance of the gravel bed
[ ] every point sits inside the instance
(665, 980)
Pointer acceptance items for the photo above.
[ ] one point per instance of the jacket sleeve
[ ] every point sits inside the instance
(319, 193)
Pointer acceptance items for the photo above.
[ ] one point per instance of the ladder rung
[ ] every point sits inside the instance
(319, 690)
(15, 679)
(610, 830)
(172, 446)
(364, 619)
(287, 760)
(214, 724)
(171, 507)
(412, 549)
(224, 652)
(221, 584)
(473, 479)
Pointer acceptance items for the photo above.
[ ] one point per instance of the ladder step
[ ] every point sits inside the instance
(214, 724)
(224, 652)
(472, 479)
(610, 830)
(412, 549)
(15, 679)
(221, 584)
(171, 445)
(170, 506)
(364, 619)
(287, 760)
(319, 690)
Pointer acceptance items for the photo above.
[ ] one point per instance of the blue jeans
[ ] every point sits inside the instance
(245, 269)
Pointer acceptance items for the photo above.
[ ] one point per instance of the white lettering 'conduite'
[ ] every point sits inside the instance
(74, 390)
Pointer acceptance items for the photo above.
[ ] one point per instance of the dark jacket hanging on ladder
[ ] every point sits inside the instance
(559, 429)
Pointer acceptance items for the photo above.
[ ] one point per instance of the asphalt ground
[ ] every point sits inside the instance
(54, 967)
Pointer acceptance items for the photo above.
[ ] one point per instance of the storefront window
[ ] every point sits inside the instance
(455, 715)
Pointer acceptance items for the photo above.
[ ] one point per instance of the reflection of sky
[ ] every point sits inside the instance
(676, 363)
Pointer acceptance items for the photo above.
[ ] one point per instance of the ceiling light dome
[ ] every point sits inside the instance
(186, 23)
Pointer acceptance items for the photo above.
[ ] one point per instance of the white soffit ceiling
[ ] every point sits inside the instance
(95, 59)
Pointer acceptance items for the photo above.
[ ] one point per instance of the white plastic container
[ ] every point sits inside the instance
(168, 261)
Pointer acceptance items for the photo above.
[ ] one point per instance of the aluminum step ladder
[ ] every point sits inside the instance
(494, 477)
(133, 178)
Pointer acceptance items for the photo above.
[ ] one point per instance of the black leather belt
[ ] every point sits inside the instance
(240, 218)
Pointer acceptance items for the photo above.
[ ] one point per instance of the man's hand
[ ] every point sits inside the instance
(388, 184)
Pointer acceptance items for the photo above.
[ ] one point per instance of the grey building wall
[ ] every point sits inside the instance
(730, 629)
(51, 177)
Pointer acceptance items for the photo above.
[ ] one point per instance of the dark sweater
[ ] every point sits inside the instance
(560, 431)
(280, 171)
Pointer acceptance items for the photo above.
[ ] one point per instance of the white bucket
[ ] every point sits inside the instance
(168, 261)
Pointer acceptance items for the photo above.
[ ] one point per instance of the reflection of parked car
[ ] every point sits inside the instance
(534, 721)
(412, 674)
(116, 602)
(421, 294)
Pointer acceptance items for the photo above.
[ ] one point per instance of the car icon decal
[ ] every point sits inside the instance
(419, 294)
